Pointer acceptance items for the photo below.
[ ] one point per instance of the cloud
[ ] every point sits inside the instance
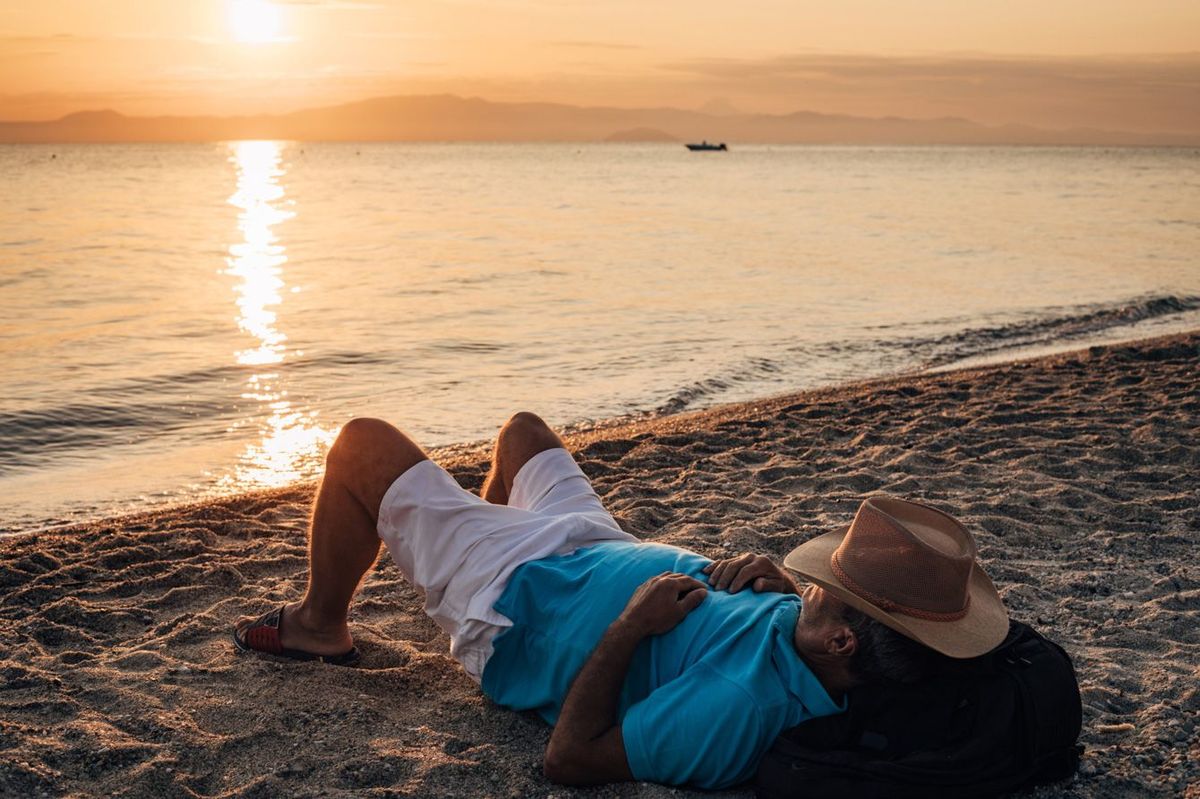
(390, 35)
(1159, 92)
(333, 5)
(71, 39)
(7, 39)
(595, 45)
(1174, 70)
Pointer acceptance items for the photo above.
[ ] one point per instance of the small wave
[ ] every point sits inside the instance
(348, 358)
(823, 363)
(32, 438)
(703, 390)
(1052, 325)
(196, 379)
(135, 410)
(459, 345)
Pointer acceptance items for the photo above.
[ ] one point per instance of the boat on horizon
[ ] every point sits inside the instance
(706, 146)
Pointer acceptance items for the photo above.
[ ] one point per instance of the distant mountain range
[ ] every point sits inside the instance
(452, 118)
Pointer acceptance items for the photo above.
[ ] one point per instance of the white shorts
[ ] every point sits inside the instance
(460, 550)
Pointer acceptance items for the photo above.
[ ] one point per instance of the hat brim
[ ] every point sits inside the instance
(982, 629)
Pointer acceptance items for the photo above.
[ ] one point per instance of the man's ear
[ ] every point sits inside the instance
(841, 642)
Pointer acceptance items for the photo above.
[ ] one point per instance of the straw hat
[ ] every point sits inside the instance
(913, 568)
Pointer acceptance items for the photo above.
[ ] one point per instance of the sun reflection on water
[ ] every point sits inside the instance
(289, 442)
(258, 260)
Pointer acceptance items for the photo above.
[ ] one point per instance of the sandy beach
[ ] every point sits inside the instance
(1077, 474)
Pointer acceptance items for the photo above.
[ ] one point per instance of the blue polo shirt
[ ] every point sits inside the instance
(700, 704)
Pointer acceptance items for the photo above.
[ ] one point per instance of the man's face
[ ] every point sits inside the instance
(820, 607)
(821, 613)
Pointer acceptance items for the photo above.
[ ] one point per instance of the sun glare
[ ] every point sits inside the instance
(291, 442)
(254, 21)
(258, 260)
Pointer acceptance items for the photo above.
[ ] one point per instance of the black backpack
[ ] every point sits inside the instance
(982, 727)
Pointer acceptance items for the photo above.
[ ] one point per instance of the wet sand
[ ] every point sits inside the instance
(1077, 473)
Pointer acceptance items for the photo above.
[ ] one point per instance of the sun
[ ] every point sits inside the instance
(254, 21)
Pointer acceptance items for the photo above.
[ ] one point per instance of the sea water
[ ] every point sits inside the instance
(182, 321)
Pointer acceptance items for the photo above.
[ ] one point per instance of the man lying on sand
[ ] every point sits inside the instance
(650, 661)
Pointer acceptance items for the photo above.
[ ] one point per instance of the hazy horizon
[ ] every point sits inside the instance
(1072, 64)
(452, 118)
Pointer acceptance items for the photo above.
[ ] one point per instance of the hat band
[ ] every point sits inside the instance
(883, 603)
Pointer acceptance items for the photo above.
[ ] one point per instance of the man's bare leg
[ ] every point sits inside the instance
(521, 437)
(366, 458)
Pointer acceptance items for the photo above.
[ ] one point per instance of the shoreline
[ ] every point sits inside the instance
(1075, 472)
(467, 455)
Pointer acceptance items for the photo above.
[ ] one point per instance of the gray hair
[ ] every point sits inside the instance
(884, 654)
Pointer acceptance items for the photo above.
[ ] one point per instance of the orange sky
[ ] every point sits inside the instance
(1058, 63)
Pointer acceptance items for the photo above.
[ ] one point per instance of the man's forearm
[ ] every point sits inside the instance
(587, 746)
(590, 709)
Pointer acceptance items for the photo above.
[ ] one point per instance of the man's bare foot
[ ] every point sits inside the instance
(296, 631)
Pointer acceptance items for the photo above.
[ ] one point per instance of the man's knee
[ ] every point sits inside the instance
(359, 441)
(525, 421)
(367, 457)
(526, 429)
